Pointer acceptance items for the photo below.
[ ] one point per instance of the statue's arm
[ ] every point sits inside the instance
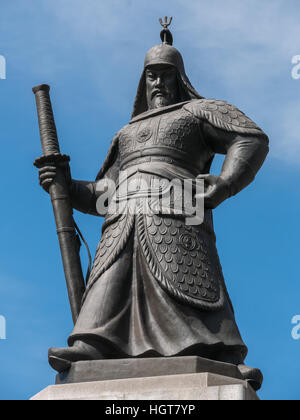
(83, 196)
(245, 155)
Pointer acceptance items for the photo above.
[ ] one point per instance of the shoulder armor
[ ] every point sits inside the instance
(222, 115)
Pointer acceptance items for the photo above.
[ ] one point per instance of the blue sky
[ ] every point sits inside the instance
(91, 52)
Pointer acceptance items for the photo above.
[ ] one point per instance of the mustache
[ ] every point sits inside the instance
(158, 91)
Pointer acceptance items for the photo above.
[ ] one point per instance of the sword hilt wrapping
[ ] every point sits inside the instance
(47, 125)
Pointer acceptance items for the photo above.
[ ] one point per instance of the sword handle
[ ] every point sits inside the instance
(47, 125)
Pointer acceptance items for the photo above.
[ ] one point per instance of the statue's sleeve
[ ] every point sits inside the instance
(228, 131)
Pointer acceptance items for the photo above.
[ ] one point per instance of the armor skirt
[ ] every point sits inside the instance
(157, 289)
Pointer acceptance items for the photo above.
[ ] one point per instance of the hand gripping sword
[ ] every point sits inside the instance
(59, 192)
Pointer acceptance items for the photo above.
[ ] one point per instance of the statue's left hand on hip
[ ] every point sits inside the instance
(216, 190)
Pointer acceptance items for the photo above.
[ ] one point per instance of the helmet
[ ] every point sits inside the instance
(164, 54)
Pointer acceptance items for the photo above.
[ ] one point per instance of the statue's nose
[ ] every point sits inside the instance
(158, 82)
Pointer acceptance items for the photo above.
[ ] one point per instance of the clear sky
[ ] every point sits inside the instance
(91, 52)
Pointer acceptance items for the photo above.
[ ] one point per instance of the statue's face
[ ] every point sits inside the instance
(161, 86)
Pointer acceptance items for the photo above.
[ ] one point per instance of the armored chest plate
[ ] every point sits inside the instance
(176, 131)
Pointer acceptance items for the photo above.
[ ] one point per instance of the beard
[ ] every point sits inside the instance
(161, 101)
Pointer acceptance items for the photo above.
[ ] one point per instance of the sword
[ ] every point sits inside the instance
(61, 203)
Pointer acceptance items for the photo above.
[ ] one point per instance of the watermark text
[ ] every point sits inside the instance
(296, 328)
(151, 195)
(296, 67)
(2, 328)
(2, 67)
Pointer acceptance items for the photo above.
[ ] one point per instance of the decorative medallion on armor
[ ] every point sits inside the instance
(144, 132)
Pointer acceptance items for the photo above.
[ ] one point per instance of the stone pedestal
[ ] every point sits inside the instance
(181, 378)
(198, 386)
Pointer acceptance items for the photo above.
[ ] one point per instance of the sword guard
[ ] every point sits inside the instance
(55, 159)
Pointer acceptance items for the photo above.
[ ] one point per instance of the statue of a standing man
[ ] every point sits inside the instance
(156, 287)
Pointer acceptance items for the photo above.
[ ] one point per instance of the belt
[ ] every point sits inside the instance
(158, 154)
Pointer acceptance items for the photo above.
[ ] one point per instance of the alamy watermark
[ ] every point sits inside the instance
(2, 67)
(296, 67)
(296, 328)
(151, 195)
(2, 328)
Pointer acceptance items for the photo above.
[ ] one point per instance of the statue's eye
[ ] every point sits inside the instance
(170, 75)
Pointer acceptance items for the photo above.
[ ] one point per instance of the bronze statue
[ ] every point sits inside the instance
(156, 287)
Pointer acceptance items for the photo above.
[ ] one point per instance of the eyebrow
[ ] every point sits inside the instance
(160, 71)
